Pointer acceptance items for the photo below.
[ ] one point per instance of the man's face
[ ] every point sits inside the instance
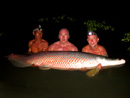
(63, 36)
(92, 40)
(38, 34)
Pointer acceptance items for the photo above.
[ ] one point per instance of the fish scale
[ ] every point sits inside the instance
(61, 59)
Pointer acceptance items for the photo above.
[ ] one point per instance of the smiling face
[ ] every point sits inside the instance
(92, 40)
(63, 35)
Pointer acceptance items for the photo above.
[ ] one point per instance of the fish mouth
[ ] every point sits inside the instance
(110, 61)
(123, 61)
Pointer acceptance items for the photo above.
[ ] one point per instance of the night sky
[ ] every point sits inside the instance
(18, 26)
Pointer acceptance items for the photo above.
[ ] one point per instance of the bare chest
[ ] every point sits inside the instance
(65, 48)
(97, 52)
(37, 46)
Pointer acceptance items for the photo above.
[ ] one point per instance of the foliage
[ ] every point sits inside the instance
(94, 25)
(90, 24)
(2, 34)
(56, 19)
(126, 39)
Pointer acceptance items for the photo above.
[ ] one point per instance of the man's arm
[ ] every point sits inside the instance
(75, 48)
(45, 46)
(104, 52)
(85, 49)
(29, 49)
(50, 48)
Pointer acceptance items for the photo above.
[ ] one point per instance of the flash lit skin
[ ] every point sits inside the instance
(37, 44)
(63, 44)
(94, 48)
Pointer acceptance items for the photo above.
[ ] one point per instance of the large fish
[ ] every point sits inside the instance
(65, 60)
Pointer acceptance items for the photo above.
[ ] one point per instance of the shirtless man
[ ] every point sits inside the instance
(63, 44)
(38, 44)
(93, 46)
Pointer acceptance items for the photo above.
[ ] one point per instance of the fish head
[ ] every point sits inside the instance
(105, 61)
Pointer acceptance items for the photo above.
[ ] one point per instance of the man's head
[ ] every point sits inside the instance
(38, 32)
(92, 39)
(63, 35)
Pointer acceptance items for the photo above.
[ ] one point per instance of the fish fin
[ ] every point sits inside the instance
(93, 72)
(33, 65)
(44, 67)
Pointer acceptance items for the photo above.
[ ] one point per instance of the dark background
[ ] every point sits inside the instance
(17, 25)
(17, 22)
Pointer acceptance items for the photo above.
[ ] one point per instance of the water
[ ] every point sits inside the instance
(32, 82)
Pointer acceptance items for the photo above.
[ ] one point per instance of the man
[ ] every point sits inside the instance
(63, 44)
(37, 44)
(93, 46)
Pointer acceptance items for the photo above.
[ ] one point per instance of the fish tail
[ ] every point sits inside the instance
(18, 61)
